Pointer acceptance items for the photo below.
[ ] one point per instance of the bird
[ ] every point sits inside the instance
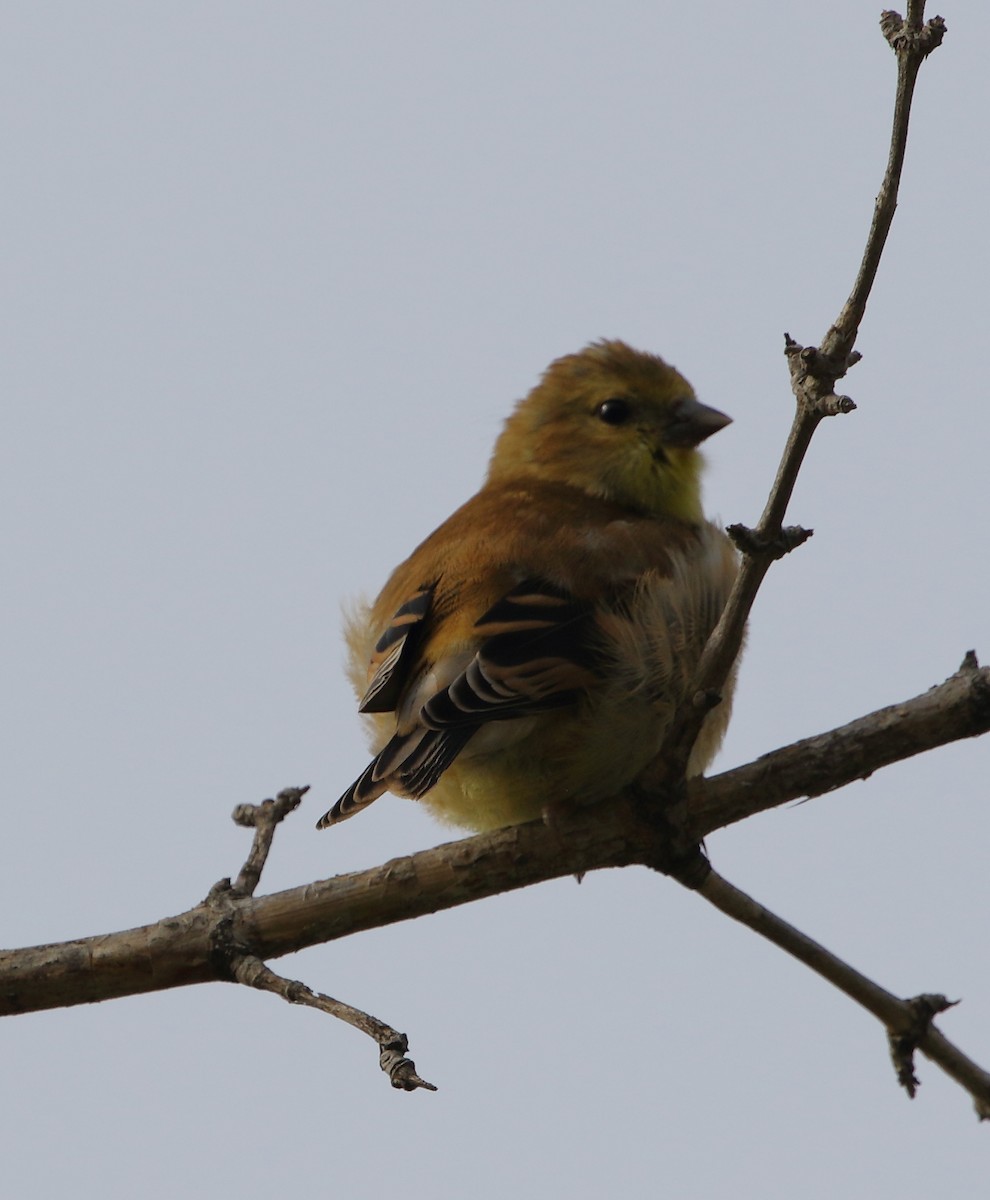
(533, 651)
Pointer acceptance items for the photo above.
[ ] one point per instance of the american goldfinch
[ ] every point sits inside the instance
(533, 650)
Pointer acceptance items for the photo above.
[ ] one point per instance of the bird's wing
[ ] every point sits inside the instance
(536, 652)
(395, 653)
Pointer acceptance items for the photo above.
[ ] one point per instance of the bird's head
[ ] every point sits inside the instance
(617, 423)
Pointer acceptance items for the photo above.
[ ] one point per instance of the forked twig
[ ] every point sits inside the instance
(234, 953)
(263, 818)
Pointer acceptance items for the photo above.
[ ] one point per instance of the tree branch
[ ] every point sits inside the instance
(912, 43)
(231, 957)
(392, 1045)
(908, 1022)
(955, 709)
(814, 373)
(196, 946)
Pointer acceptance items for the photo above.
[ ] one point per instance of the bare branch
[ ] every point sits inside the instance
(392, 1045)
(912, 44)
(263, 818)
(957, 708)
(231, 933)
(908, 1022)
(232, 959)
(814, 372)
(198, 946)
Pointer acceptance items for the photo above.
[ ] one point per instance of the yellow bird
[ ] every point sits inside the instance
(534, 649)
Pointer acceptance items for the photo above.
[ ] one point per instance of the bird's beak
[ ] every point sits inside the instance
(692, 422)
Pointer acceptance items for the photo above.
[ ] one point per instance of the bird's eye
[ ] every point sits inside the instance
(616, 411)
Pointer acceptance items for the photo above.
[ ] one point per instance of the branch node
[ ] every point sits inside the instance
(754, 544)
(250, 816)
(400, 1070)
(970, 662)
(668, 847)
(811, 362)
(892, 26)
(903, 1043)
(932, 35)
(244, 815)
(905, 39)
(220, 889)
(833, 406)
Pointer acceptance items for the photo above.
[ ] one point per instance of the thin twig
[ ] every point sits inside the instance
(814, 373)
(912, 43)
(264, 819)
(232, 947)
(908, 1021)
(392, 1045)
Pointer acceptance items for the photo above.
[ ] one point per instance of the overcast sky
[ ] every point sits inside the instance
(273, 274)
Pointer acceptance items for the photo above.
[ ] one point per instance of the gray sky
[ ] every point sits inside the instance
(273, 275)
